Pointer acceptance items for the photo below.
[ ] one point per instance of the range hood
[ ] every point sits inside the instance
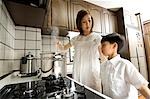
(27, 12)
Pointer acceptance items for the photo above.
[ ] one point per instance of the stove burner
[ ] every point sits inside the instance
(54, 84)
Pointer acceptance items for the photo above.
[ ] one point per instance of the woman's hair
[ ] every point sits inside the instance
(114, 38)
(80, 15)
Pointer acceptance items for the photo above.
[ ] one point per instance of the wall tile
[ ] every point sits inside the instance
(1, 67)
(1, 51)
(19, 44)
(38, 52)
(20, 34)
(10, 27)
(20, 28)
(2, 34)
(5, 68)
(8, 39)
(33, 52)
(30, 44)
(4, 18)
(30, 29)
(46, 48)
(54, 48)
(38, 30)
(16, 65)
(0, 11)
(38, 36)
(7, 52)
(38, 45)
(31, 35)
(19, 54)
(45, 41)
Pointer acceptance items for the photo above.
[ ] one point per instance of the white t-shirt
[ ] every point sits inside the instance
(120, 79)
(86, 59)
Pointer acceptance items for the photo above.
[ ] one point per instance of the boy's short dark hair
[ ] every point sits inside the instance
(114, 38)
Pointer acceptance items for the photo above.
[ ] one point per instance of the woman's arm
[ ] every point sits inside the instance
(145, 91)
(63, 47)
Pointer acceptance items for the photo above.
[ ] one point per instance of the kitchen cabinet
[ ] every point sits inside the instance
(96, 13)
(63, 13)
(56, 16)
(109, 22)
(59, 13)
(75, 7)
(104, 20)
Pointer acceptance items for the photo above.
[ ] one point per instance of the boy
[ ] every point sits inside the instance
(120, 78)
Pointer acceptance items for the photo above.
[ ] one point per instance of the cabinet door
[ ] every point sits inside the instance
(113, 23)
(60, 13)
(109, 22)
(96, 12)
(76, 5)
(105, 23)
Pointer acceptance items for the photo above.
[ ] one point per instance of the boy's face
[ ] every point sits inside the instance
(107, 48)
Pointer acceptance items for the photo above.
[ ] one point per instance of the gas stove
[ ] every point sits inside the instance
(48, 88)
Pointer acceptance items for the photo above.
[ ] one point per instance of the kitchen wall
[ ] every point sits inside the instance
(7, 40)
(49, 44)
(16, 42)
(27, 39)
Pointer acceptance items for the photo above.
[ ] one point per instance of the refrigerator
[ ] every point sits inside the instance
(137, 50)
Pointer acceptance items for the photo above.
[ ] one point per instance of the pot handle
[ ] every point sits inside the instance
(24, 60)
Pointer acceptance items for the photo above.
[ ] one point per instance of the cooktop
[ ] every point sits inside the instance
(48, 88)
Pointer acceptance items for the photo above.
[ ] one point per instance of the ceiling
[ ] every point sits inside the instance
(135, 6)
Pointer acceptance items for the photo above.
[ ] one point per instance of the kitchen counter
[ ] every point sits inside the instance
(15, 78)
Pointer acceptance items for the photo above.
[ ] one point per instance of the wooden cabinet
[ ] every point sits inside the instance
(59, 13)
(63, 13)
(109, 22)
(75, 7)
(96, 13)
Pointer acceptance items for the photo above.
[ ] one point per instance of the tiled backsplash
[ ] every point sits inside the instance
(7, 39)
(17, 41)
(49, 44)
(27, 40)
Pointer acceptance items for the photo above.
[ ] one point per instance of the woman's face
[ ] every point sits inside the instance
(86, 23)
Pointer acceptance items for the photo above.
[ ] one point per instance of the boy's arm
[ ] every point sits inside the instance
(145, 91)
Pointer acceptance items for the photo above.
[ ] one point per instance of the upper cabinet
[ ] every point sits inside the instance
(109, 22)
(56, 17)
(96, 13)
(63, 13)
(60, 13)
(75, 6)
(104, 21)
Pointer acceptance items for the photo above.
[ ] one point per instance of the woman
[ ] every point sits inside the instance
(87, 44)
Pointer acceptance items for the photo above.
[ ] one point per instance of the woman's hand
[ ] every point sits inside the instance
(60, 45)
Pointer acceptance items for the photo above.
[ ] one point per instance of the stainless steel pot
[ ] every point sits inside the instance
(52, 63)
(28, 65)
